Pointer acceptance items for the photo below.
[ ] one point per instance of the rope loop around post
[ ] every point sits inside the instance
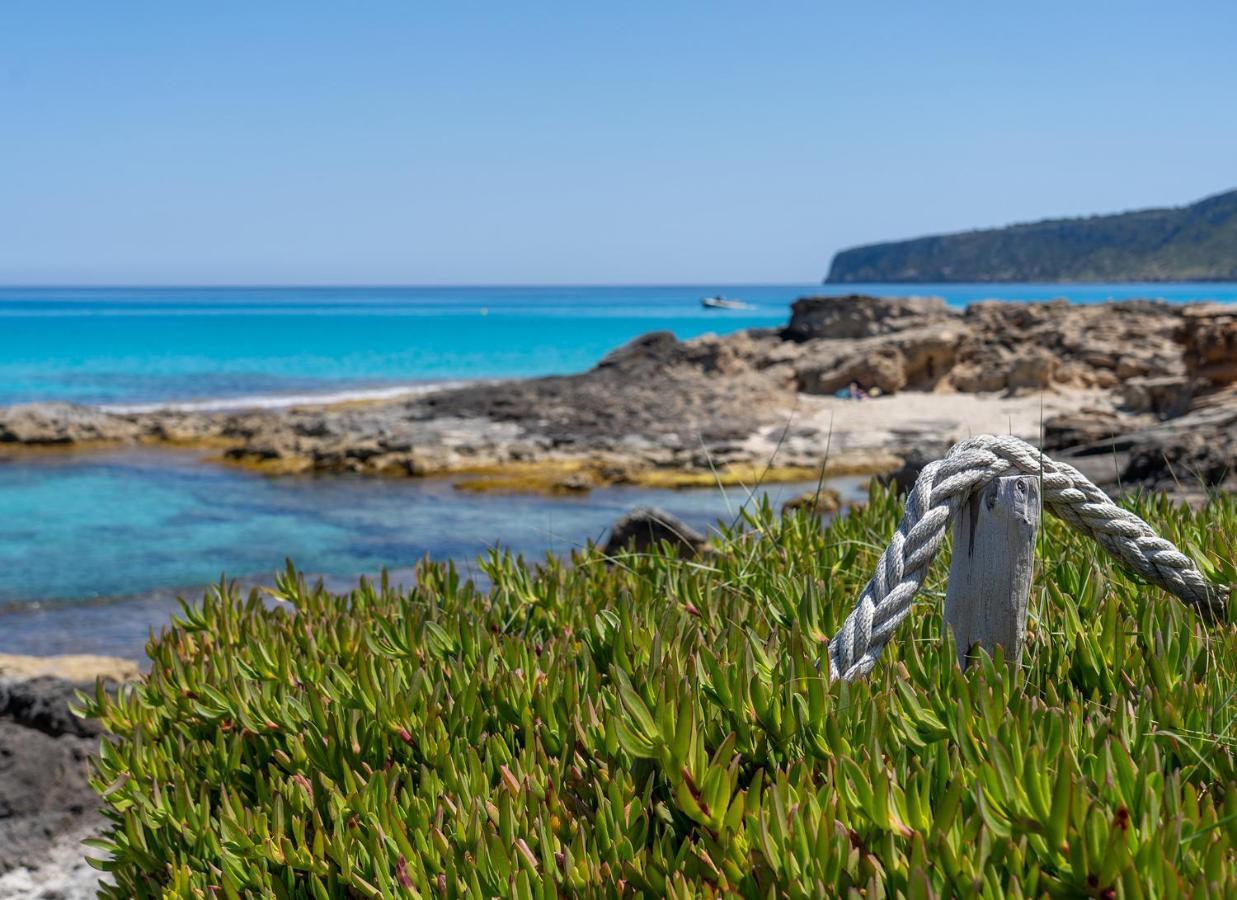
(941, 489)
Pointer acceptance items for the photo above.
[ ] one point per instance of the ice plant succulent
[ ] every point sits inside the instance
(659, 726)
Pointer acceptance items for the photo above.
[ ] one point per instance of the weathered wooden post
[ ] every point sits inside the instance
(990, 574)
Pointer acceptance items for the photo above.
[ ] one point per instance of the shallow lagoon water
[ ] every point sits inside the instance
(81, 530)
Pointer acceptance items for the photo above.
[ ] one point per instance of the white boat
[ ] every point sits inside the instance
(720, 302)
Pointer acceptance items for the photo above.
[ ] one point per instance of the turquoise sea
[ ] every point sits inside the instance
(94, 547)
(150, 345)
(146, 345)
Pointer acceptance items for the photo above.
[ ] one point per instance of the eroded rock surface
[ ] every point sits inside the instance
(918, 344)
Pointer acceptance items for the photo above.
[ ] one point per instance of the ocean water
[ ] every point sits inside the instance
(138, 346)
(94, 547)
(133, 346)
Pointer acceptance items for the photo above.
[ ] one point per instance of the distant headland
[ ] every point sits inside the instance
(1188, 243)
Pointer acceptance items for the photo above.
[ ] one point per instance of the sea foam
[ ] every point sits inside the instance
(285, 401)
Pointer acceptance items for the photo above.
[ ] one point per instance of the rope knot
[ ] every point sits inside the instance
(941, 489)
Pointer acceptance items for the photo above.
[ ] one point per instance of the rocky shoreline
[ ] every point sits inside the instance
(47, 807)
(1152, 382)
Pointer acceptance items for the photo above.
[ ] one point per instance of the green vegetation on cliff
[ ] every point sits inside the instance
(660, 727)
(1189, 243)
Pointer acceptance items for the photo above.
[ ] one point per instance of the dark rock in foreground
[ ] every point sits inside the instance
(904, 477)
(44, 791)
(646, 527)
(47, 807)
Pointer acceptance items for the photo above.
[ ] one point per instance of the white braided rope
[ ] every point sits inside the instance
(941, 489)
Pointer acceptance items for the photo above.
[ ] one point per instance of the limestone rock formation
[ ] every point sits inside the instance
(856, 316)
(915, 358)
(1209, 334)
(48, 424)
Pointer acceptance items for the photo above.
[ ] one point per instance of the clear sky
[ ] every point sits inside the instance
(456, 142)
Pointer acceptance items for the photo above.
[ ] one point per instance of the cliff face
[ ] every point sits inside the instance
(1190, 243)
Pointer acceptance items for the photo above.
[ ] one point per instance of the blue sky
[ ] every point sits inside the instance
(377, 142)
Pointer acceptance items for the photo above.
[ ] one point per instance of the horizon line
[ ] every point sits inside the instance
(292, 285)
